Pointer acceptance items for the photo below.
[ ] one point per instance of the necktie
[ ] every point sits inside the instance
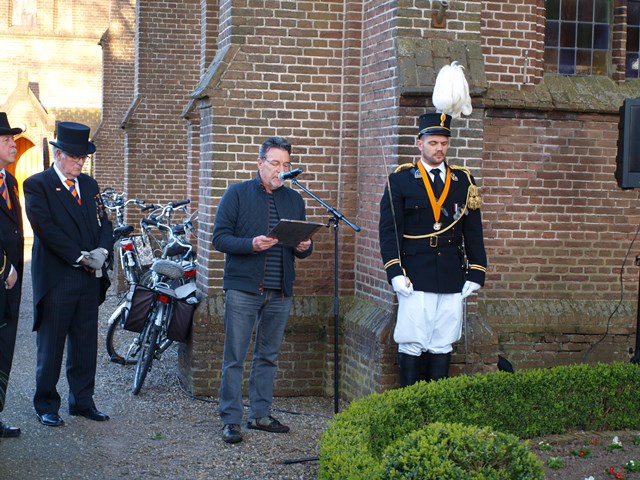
(438, 186)
(4, 192)
(72, 189)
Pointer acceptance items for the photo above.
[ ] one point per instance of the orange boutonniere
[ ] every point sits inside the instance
(15, 191)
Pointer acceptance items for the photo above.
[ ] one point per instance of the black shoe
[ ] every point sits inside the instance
(231, 433)
(50, 419)
(267, 424)
(8, 432)
(92, 413)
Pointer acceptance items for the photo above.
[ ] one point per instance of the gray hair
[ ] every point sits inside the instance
(274, 142)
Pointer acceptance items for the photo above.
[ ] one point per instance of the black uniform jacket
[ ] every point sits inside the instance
(435, 260)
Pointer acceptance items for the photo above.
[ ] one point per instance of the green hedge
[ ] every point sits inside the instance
(526, 404)
(461, 452)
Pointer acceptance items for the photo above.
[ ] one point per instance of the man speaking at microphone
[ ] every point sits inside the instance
(258, 283)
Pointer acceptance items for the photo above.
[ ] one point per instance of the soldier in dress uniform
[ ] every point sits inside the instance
(432, 246)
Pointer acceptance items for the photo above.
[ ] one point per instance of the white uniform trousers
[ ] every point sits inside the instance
(428, 322)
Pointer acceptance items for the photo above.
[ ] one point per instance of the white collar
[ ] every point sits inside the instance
(61, 175)
(442, 167)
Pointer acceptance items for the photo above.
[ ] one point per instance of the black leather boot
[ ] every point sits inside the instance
(409, 369)
(438, 365)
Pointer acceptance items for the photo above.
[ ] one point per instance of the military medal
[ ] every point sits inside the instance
(436, 205)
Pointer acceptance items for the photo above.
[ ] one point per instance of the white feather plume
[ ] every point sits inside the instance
(451, 91)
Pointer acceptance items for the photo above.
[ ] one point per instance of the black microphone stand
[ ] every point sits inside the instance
(336, 216)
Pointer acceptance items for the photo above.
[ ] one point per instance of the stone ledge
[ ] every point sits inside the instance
(566, 93)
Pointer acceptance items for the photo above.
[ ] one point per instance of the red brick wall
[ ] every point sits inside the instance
(285, 76)
(167, 69)
(558, 229)
(326, 75)
(513, 41)
(209, 10)
(118, 58)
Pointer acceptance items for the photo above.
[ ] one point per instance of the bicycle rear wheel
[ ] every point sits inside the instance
(145, 356)
(122, 345)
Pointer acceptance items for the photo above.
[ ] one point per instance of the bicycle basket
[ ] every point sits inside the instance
(140, 304)
(179, 327)
(144, 250)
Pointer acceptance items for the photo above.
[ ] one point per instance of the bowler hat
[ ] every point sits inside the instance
(435, 124)
(73, 138)
(5, 128)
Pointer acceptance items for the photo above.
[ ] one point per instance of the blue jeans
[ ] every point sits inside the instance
(268, 313)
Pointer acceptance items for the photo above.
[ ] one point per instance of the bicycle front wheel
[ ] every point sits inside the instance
(122, 345)
(145, 356)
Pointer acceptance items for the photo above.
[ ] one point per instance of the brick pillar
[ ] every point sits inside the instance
(118, 47)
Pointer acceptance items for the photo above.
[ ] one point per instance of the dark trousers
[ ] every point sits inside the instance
(69, 314)
(10, 305)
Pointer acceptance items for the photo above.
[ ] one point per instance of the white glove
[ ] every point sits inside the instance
(95, 260)
(402, 285)
(468, 288)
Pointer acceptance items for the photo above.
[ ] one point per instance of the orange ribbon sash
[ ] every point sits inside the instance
(436, 205)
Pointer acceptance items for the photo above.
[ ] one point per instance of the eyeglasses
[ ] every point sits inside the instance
(77, 158)
(274, 164)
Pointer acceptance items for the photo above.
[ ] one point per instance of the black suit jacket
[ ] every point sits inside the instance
(62, 230)
(11, 226)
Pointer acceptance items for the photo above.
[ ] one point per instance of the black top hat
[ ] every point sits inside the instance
(73, 138)
(435, 124)
(5, 128)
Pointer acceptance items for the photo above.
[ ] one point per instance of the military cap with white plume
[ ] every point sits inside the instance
(451, 91)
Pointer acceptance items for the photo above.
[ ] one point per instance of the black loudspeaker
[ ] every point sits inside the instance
(628, 157)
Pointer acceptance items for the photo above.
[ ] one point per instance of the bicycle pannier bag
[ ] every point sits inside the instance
(179, 327)
(140, 304)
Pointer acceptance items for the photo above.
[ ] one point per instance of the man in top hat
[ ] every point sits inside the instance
(432, 246)
(12, 239)
(72, 240)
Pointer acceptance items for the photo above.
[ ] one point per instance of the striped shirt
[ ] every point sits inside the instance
(273, 269)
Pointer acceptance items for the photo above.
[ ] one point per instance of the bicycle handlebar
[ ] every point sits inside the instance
(186, 201)
(119, 204)
(174, 239)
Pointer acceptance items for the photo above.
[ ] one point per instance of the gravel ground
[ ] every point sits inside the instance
(161, 433)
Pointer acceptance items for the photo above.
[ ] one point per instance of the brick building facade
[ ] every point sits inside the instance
(50, 70)
(192, 88)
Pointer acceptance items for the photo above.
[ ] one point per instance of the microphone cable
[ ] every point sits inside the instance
(606, 332)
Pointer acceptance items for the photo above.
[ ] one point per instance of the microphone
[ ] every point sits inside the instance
(290, 174)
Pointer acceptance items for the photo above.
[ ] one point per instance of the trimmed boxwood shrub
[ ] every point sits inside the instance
(526, 404)
(461, 452)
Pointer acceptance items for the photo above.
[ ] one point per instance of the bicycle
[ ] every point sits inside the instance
(163, 214)
(122, 340)
(124, 240)
(118, 339)
(172, 300)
